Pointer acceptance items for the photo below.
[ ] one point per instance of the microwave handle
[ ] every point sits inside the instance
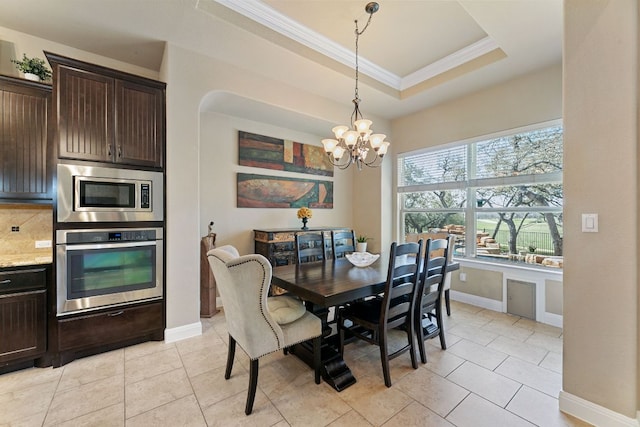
(108, 245)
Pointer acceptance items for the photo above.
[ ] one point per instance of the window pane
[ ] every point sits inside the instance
(520, 196)
(424, 222)
(504, 234)
(529, 153)
(444, 199)
(448, 165)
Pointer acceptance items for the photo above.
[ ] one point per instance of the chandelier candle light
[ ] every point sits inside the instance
(352, 146)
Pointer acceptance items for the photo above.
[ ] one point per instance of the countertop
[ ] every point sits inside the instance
(15, 260)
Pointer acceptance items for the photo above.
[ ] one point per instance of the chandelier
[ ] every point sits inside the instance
(357, 144)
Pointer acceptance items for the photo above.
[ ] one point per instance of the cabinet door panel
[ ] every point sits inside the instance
(22, 325)
(85, 116)
(105, 328)
(140, 112)
(23, 141)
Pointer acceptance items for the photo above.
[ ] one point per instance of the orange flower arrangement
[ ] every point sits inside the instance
(304, 213)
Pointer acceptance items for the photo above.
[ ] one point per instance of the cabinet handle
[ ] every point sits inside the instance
(5, 282)
(119, 151)
(109, 150)
(117, 313)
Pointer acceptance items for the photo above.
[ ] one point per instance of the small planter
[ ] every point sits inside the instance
(30, 76)
(361, 247)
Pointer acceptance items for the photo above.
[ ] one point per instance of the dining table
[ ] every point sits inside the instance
(327, 284)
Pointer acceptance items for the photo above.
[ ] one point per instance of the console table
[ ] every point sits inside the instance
(278, 245)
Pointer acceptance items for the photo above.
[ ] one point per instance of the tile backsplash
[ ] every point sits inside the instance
(35, 222)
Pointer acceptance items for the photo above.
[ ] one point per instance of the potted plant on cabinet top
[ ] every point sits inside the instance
(33, 68)
(361, 243)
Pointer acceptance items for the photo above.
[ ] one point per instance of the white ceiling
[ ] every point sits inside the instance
(414, 54)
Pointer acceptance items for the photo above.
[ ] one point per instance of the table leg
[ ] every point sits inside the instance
(335, 371)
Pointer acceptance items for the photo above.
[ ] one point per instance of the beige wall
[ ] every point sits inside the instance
(479, 282)
(600, 357)
(218, 167)
(529, 99)
(189, 148)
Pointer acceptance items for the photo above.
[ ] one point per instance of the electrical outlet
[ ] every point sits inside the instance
(15, 228)
(463, 277)
(43, 243)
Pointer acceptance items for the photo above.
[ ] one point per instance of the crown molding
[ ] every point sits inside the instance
(261, 13)
(449, 62)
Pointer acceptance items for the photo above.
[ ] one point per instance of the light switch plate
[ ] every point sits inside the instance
(589, 223)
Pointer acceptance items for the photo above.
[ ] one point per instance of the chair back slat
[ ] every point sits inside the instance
(342, 242)
(310, 247)
(402, 283)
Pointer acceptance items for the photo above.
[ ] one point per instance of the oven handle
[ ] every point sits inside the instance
(109, 245)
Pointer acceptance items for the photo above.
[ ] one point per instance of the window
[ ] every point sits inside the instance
(505, 190)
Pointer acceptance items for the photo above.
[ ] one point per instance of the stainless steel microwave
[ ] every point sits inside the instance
(97, 194)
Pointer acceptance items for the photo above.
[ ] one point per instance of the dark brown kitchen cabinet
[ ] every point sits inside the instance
(24, 161)
(105, 115)
(23, 313)
(95, 332)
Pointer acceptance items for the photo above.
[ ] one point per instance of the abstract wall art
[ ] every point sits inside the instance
(262, 191)
(280, 154)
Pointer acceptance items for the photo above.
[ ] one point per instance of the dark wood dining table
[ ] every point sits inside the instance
(332, 283)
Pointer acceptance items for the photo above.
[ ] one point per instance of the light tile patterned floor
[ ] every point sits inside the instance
(498, 370)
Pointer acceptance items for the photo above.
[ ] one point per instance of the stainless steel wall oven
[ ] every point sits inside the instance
(98, 268)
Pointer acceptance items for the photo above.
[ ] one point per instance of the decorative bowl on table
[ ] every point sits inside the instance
(362, 259)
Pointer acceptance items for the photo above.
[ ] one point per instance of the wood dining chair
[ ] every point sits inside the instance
(310, 247)
(342, 242)
(372, 319)
(429, 319)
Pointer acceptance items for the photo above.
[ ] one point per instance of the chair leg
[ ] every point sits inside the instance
(412, 348)
(253, 385)
(341, 337)
(384, 358)
(447, 302)
(443, 342)
(316, 358)
(230, 355)
(420, 336)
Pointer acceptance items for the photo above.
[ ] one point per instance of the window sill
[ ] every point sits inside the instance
(484, 264)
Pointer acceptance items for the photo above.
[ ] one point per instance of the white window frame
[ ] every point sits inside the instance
(471, 184)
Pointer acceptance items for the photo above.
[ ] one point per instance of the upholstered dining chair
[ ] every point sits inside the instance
(372, 319)
(258, 323)
(429, 319)
(310, 247)
(342, 242)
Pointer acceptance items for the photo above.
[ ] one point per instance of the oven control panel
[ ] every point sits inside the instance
(109, 235)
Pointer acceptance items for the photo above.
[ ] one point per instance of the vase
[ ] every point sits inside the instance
(30, 76)
(304, 224)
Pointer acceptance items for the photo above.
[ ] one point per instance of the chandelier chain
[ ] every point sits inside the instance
(357, 146)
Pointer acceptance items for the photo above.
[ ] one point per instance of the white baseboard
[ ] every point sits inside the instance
(489, 304)
(592, 413)
(182, 332)
(552, 319)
